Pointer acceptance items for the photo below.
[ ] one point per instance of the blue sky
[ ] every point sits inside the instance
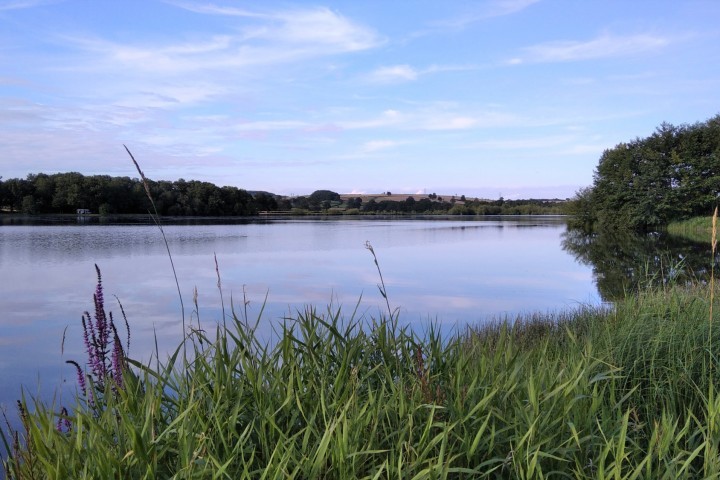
(517, 98)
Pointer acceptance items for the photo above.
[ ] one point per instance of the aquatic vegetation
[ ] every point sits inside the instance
(593, 393)
(106, 355)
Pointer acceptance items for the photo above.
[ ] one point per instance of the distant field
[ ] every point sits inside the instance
(397, 197)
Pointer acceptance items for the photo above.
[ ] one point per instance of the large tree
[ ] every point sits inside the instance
(646, 183)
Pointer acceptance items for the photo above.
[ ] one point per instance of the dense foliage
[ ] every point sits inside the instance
(646, 183)
(67, 192)
(437, 205)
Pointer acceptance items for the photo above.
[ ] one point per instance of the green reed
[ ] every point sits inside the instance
(697, 229)
(594, 393)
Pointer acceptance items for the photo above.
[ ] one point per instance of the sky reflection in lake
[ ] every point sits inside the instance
(452, 272)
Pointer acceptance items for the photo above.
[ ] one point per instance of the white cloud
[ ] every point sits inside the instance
(388, 118)
(259, 39)
(272, 125)
(394, 73)
(557, 144)
(21, 4)
(375, 145)
(500, 8)
(487, 10)
(406, 73)
(322, 26)
(172, 95)
(212, 9)
(452, 123)
(438, 116)
(319, 26)
(601, 47)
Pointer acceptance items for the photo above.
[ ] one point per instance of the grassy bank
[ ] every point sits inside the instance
(594, 393)
(696, 229)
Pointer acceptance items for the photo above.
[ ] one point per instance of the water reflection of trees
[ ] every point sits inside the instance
(624, 262)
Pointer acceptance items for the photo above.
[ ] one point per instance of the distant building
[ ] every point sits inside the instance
(83, 211)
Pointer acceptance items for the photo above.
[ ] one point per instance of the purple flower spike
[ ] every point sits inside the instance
(63, 423)
(80, 376)
(104, 361)
(118, 357)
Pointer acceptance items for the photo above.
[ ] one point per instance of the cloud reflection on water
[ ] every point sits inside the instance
(451, 272)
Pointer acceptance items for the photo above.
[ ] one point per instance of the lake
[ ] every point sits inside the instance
(447, 272)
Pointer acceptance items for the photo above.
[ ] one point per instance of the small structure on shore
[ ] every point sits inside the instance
(83, 211)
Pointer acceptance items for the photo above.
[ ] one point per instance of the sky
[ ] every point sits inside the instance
(486, 98)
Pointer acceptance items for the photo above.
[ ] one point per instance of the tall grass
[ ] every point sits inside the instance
(594, 393)
(696, 229)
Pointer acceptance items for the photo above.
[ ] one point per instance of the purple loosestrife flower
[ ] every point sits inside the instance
(105, 361)
(63, 423)
(118, 357)
(101, 321)
(91, 344)
(80, 376)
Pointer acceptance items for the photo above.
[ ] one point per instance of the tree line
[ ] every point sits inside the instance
(649, 182)
(462, 206)
(66, 193)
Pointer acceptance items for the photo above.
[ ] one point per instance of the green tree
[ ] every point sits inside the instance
(3, 195)
(354, 202)
(15, 190)
(265, 201)
(409, 205)
(44, 190)
(370, 206)
(319, 196)
(69, 195)
(28, 205)
(646, 183)
(581, 210)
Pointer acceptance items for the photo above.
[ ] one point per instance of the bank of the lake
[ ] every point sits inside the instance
(698, 229)
(628, 392)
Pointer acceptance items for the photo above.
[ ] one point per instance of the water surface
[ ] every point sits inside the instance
(448, 272)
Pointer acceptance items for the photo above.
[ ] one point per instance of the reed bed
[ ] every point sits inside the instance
(595, 393)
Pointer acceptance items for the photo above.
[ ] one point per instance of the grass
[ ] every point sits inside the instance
(594, 393)
(697, 229)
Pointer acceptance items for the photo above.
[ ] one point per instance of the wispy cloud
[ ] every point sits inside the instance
(21, 4)
(492, 9)
(435, 116)
(211, 9)
(406, 73)
(172, 95)
(375, 145)
(320, 26)
(273, 125)
(533, 143)
(395, 73)
(263, 38)
(604, 46)
(387, 118)
(508, 7)
(452, 123)
(557, 144)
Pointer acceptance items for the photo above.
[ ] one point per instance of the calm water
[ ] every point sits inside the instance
(448, 272)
